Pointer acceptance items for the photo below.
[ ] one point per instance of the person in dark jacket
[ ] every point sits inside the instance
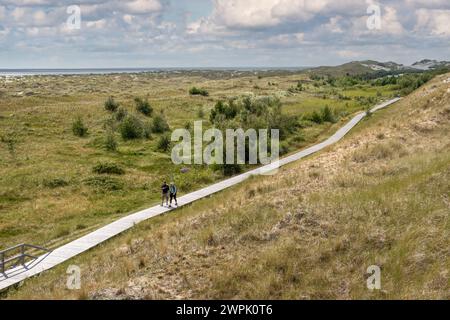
(165, 194)
(173, 193)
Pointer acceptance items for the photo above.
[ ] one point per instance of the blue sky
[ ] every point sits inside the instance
(220, 33)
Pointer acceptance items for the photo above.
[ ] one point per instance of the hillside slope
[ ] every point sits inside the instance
(380, 197)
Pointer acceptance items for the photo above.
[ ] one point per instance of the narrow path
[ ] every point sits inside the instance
(74, 248)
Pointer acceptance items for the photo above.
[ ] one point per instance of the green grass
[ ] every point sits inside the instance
(48, 184)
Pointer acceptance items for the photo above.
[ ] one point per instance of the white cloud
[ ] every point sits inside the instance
(39, 17)
(18, 13)
(334, 25)
(98, 24)
(207, 27)
(349, 54)
(27, 2)
(128, 18)
(235, 14)
(427, 4)
(286, 39)
(390, 23)
(433, 22)
(244, 13)
(141, 6)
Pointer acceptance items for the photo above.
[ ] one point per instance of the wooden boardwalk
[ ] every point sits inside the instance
(83, 244)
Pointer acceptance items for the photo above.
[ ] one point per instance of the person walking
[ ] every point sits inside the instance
(173, 194)
(165, 194)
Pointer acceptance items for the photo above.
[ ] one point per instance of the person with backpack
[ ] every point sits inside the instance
(165, 194)
(173, 194)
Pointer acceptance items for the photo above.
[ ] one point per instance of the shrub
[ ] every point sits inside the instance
(131, 128)
(78, 128)
(228, 169)
(121, 114)
(284, 148)
(143, 106)
(198, 92)
(108, 168)
(110, 143)
(229, 110)
(316, 117)
(164, 143)
(111, 105)
(327, 115)
(159, 124)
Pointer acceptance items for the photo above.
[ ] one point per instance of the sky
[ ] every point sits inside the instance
(220, 33)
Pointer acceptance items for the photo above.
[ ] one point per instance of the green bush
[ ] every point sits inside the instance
(143, 106)
(78, 128)
(315, 117)
(228, 169)
(159, 124)
(111, 105)
(108, 168)
(227, 110)
(327, 115)
(131, 128)
(164, 143)
(110, 143)
(198, 92)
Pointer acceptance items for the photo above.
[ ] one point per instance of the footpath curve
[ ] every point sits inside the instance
(91, 240)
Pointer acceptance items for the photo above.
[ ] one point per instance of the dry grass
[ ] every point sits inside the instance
(309, 232)
(47, 187)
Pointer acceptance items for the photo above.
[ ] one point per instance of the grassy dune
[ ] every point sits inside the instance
(48, 191)
(380, 197)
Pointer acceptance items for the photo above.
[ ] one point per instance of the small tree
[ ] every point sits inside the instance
(316, 117)
(111, 105)
(143, 106)
(78, 128)
(327, 115)
(131, 128)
